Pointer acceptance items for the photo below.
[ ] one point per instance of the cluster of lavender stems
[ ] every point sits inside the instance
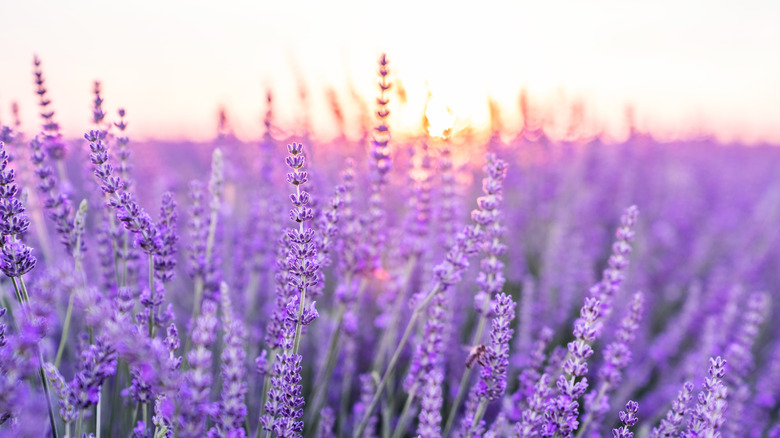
(423, 287)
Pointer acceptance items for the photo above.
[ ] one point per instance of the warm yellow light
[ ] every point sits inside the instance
(438, 118)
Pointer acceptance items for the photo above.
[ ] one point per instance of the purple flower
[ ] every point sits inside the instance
(708, 416)
(98, 362)
(671, 423)
(57, 204)
(165, 260)
(231, 408)
(493, 374)
(194, 391)
(628, 418)
(53, 141)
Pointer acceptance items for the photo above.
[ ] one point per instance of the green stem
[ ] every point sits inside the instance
(266, 385)
(464, 381)
(152, 310)
(98, 412)
(589, 415)
(478, 416)
(326, 372)
(65, 329)
(394, 360)
(21, 294)
(403, 419)
(388, 336)
(78, 424)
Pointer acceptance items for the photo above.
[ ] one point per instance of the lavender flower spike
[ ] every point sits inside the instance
(628, 418)
(231, 407)
(709, 414)
(671, 423)
(302, 260)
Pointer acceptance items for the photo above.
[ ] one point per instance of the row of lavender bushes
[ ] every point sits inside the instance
(378, 288)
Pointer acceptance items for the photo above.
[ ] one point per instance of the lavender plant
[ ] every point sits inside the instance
(348, 291)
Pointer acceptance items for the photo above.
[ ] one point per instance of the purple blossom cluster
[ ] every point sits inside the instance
(413, 286)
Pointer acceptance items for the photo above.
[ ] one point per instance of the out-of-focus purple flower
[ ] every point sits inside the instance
(491, 276)
(431, 401)
(671, 423)
(68, 411)
(741, 361)
(367, 389)
(165, 261)
(381, 164)
(629, 419)
(97, 105)
(533, 415)
(530, 374)
(284, 407)
(198, 231)
(98, 362)
(613, 276)
(327, 420)
(617, 356)
(57, 204)
(53, 141)
(231, 408)
(194, 391)
(708, 416)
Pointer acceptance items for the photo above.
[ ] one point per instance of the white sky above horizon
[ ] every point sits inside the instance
(686, 67)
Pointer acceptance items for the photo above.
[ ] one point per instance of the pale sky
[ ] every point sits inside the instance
(685, 66)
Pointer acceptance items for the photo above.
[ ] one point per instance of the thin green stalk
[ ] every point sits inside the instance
(388, 336)
(404, 418)
(346, 386)
(98, 412)
(326, 372)
(266, 385)
(65, 329)
(478, 416)
(394, 360)
(115, 395)
(78, 424)
(589, 415)
(145, 415)
(151, 291)
(464, 381)
(21, 294)
(299, 323)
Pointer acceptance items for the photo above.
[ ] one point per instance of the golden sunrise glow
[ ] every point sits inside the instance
(439, 119)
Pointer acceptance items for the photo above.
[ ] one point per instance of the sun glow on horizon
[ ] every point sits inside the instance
(439, 119)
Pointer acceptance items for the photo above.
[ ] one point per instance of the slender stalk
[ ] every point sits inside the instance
(404, 418)
(78, 423)
(394, 360)
(478, 416)
(326, 372)
(21, 294)
(65, 329)
(464, 381)
(266, 385)
(98, 412)
(152, 310)
(388, 336)
(589, 415)
(298, 322)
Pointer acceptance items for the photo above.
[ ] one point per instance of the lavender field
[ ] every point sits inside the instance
(390, 286)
